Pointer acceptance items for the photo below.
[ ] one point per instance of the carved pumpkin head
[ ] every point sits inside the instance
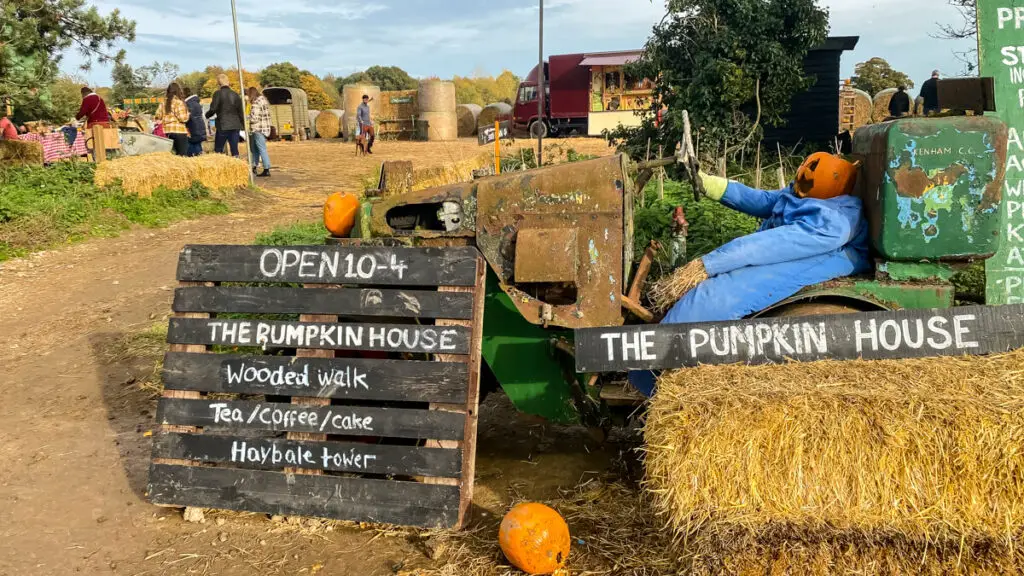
(340, 213)
(825, 176)
(534, 538)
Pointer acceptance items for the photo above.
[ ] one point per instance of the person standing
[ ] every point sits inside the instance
(259, 126)
(366, 123)
(7, 129)
(93, 109)
(196, 123)
(899, 104)
(173, 115)
(930, 94)
(227, 107)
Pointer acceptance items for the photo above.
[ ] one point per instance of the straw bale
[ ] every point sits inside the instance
(497, 111)
(18, 153)
(352, 97)
(312, 120)
(881, 104)
(467, 115)
(864, 108)
(436, 96)
(398, 109)
(441, 126)
(143, 174)
(329, 123)
(453, 171)
(917, 461)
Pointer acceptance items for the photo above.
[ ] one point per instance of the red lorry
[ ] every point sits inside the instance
(586, 93)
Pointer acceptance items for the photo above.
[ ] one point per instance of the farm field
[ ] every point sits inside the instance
(82, 347)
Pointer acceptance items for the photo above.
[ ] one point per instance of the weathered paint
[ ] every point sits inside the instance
(1000, 35)
(932, 187)
(899, 271)
(874, 295)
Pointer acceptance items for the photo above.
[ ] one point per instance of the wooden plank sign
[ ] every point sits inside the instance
(356, 400)
(870, 336)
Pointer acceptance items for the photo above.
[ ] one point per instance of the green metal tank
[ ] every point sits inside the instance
(932, 187)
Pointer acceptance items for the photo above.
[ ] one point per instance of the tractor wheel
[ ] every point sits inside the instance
(812, 309)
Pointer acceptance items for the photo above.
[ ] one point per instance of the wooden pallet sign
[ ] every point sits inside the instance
(870, 336)
(309, 381)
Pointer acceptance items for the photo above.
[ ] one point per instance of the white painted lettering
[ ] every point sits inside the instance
(937, 325)
(695, 334)
(894, 342)
(630, 342)
(815, 337)
(908, 338)
(307, 265)
(961, 331)
(647, 345)
(329, 265)
(871, 335)
(266, 268)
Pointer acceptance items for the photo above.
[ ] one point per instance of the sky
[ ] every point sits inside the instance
(465, 37)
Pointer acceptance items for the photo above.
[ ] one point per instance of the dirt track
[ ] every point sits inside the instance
(73, 442)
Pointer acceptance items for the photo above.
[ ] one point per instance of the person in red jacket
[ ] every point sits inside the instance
(93, 109)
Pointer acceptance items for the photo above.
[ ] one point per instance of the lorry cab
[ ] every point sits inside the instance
(524, 113)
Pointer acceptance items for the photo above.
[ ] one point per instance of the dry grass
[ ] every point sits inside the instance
(670, 288)
(881, 104)
(143, 174)
(18, 153)
(614, 532)
(828, 466)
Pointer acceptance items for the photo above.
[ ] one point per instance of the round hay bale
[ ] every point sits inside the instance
(352, 97)
(441, 126)
(881, 104)
(497, 111)
(864, 108)
(312, 121)
(919, 106)
(467, 115)
(436, 96)
(329, 123)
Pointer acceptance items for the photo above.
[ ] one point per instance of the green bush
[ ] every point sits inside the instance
(294, 234)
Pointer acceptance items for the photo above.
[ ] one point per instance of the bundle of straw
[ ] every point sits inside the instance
(670, 288)
(18, 153)
(143, 174)
(496, 111)
(881, 104)
(329, 123)
(910, 466)
(863, 108)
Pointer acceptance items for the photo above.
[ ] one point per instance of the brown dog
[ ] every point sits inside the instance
(361, 145)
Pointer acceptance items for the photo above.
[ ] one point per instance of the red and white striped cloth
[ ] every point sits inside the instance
(55, 147)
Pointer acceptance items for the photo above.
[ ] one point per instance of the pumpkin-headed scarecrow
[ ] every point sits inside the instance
(812, 231)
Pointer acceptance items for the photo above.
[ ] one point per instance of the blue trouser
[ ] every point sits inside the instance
(258, 150)
(195, 148)
(226, 137)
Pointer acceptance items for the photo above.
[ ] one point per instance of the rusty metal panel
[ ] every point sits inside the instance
(585, 196)
(932, 187)
(546, 255)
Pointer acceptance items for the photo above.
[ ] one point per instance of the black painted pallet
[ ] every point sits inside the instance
(335, 381)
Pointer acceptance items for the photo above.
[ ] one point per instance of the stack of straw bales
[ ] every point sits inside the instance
(436, 102)
(894, 467)
(18, 153)
(497, 111)
(451, 172)
(143, 174)
(863, 107)
(329, 123)
(352, 97)
(467, 115)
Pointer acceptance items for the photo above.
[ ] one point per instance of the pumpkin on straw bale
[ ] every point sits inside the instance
(142, 174)
(18, 153)
(895, 467)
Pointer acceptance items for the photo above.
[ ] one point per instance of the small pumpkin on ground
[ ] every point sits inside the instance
(340, 213)
(534, 538)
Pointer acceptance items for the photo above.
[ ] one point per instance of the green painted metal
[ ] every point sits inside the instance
(523, 359)
(911, 271)
(1000, 35)
(931, 187)
(905, 295)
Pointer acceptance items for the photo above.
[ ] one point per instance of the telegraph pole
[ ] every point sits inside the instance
(542, 93)
(241, 87)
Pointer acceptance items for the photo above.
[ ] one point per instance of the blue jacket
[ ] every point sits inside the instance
(802, 241)
(196, 123)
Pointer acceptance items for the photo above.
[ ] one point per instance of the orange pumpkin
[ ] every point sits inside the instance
(340, 211)
(534, 538)
(824, 176)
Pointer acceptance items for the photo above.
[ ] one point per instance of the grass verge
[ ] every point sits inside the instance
(295, 234)
(45, 207)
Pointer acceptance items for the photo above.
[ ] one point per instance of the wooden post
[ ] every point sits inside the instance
(99, 144)
(661, 175)
(497, 147)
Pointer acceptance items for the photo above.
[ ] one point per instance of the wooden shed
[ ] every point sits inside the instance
(814, 116)
(289, 112)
